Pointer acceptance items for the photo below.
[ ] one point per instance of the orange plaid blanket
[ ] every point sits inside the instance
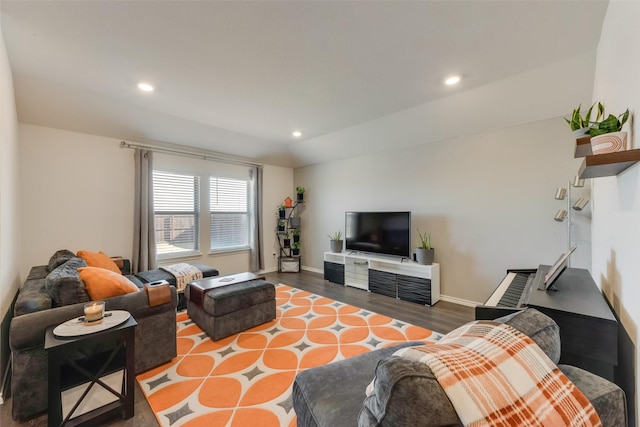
(495, 375)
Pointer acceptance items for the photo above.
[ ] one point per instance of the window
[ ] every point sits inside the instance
(230, 205)
(175, 208)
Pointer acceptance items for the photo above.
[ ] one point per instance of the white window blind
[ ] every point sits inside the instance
(175, 206)
(231, 213)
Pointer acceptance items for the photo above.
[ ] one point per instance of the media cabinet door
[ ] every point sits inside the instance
(383, 283)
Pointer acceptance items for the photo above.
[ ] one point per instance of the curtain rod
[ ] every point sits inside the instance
(178, 152)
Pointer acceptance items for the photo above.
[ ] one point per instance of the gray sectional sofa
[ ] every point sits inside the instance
(53, 294)
(407, 394)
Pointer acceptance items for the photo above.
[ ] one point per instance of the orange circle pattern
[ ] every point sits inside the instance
(248, 377)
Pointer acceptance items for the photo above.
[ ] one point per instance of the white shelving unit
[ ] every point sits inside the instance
(394, 277)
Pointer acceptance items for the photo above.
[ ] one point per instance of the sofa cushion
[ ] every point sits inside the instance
(542, 329)
(397, 380)
(63, 284)
(332, 394)
(59, 258)
(32, 297)
(99, 259)
(102, 283)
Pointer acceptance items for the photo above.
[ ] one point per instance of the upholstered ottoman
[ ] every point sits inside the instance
(227, 305)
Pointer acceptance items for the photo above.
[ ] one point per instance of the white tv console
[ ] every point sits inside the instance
(394, 277)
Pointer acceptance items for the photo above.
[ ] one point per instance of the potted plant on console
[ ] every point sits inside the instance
(424, 252)
(335, 241)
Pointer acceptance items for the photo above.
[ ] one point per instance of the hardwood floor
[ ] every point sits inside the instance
(442, 317)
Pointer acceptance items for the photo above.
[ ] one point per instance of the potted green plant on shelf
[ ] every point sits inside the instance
(424, 252)
(335, 241)
(580, 125)
(286, 240)
(295, 249)
(282, 211)
(605, 136)
(300, 192)
(296, 235)
(281, 225)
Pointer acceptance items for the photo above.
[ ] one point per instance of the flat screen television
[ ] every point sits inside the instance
(387, 233)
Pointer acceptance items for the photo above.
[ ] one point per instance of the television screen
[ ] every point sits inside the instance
(387, 233)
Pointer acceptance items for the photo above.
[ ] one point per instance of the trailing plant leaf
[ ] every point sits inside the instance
(610, 124)
(578, 122)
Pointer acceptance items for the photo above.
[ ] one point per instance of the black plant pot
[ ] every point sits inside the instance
(300, 197)
(287, 243)
(295, 252)
(282, 213)
(296, 239)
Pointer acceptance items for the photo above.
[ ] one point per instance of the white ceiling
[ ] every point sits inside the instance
(238, 77)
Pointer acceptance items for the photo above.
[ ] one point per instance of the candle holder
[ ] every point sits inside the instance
(93, 311)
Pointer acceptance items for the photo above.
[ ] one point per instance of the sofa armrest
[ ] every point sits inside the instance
(29, 329)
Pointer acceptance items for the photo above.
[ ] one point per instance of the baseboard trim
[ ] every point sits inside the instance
(459, 301)
(313, 270)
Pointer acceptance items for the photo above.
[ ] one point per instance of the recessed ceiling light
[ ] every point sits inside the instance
(452, 80)
(296, 134)
(145, 87)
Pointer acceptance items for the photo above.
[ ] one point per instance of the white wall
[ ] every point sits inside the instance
(9, 201)
(616, 216)
(486, 199)
(77, 193)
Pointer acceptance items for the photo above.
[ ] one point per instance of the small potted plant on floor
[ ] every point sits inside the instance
(335, 241)
(424, 252)
(295, 249)
(300, 193)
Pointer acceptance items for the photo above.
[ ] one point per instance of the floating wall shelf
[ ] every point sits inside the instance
(608, 164)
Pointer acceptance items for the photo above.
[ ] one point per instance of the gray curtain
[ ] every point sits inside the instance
(144, 242)
(256, 257)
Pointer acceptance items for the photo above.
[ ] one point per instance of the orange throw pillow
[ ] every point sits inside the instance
(99, 259)
(102, 284)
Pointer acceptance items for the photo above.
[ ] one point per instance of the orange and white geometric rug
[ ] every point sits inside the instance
(246, 379)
